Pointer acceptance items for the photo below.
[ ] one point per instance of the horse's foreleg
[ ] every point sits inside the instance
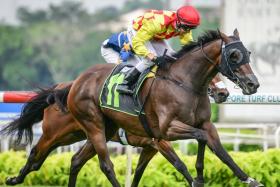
(213, 142)
(165, 148)
(146, 155)
(78, 161)
(199, 180)
(36, 158)
(176, 131)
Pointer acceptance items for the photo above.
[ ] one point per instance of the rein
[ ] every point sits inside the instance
(209, 59)
(142, 117)
(182, 85)
(178, 83)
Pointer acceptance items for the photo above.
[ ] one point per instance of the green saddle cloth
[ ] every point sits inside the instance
(112, 99)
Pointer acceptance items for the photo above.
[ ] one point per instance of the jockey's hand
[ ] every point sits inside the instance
(159, 60)
(151, 56)
(124, 55)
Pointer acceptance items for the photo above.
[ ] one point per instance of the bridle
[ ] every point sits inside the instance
(225, 67)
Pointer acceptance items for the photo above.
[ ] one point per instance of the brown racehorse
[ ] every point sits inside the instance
(59, 128)
(177, 106)
(217, 90)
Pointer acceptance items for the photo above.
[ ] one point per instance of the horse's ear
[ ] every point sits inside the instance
(236, 33)
(224, 37)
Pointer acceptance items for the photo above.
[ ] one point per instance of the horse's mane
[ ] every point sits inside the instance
(206, 37)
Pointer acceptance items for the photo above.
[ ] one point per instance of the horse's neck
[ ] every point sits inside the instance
(194, 69)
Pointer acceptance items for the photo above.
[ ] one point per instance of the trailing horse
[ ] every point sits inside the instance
(176, 102)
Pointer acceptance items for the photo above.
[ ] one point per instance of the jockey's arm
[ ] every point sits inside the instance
(143, 35)
(186, 38)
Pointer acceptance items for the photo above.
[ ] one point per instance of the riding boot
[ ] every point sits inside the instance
(129, 79)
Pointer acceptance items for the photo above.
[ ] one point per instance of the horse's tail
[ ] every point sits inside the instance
(60, 97)
(32, 112)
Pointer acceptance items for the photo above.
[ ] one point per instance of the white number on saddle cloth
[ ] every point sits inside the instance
(125, 69)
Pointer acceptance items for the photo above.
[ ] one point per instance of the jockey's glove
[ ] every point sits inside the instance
(159, 60)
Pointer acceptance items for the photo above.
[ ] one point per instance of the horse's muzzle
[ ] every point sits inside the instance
(221, 96)
(249, 84)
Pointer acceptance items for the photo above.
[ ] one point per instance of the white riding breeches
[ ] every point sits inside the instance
(112, 56)
(156, 47)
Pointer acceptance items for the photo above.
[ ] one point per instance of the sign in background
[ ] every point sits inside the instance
(258, 22)
(9, 111)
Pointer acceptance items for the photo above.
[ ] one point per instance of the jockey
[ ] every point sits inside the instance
(147, 36)
(116, 49)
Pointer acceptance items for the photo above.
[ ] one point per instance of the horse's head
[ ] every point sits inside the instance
(235, 65)
(218, 90)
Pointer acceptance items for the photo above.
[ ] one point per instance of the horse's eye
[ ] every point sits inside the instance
(235, 56)
(249, 52)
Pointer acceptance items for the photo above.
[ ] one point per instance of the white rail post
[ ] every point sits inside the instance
(5, 144)
(265, 139)
(28, 149)
(277, 137)
(236, 140)
(128, 166)
(183, 147)
(59, 150)
(72, 148)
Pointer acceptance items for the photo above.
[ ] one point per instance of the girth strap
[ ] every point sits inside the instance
(123, 136)
(142, 117)
(145, 124)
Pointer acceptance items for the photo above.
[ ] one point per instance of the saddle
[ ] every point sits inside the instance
(129, 104)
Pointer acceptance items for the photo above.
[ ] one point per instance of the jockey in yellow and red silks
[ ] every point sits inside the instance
(148, 33)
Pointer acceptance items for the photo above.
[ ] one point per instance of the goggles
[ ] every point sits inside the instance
(187, 27)
(184, 26)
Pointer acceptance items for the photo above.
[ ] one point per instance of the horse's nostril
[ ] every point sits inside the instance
(251, 85)
(222, 94)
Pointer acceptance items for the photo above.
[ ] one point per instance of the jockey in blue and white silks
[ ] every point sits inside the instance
(116, 49)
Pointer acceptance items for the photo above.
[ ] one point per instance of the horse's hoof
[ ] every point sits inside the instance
(11, 181)
(255, 184)
(195, 183)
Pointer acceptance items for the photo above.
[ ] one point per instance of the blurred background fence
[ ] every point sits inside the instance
(260, 135)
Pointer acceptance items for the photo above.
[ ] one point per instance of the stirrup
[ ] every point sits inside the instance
(124, 89)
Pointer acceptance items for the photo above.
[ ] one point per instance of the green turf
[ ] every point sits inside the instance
(34, 186)
(242, 131)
